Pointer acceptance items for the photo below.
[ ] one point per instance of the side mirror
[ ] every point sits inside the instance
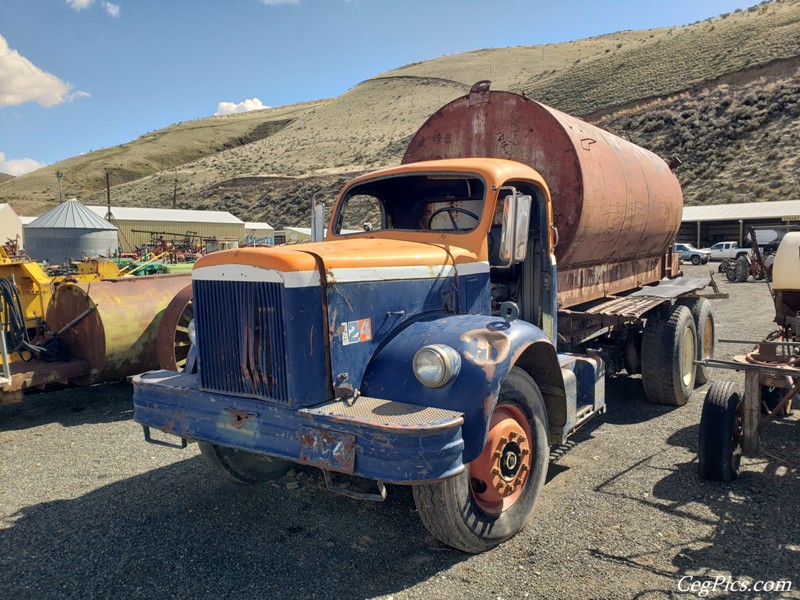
(516, 221)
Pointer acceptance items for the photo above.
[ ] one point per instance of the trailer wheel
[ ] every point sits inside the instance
(703, 317)
(241, 466)
(669, 348)
(721, 432)
(741, 269)
(493, 498)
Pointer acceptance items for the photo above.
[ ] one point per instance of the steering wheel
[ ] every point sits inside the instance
(449, 210)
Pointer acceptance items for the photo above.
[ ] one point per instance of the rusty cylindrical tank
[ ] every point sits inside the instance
(617, 207)
(118, 337)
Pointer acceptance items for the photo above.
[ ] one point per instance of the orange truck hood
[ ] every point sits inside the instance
(358, 259)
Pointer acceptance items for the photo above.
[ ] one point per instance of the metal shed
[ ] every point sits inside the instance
(10, 224)
(69, 231)
(138, 225)
(707, 225)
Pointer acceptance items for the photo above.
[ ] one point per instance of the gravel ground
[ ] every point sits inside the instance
(89, 510)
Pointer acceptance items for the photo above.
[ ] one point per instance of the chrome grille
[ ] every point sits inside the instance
(240, 338)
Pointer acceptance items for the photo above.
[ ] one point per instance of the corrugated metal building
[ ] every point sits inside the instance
(707, 225)
(10, 224)
(171, 223)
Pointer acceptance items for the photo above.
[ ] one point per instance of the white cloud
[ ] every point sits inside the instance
(18, 166)
(72, 95)
(111, 8)
(275, 2)
(80, 4)
(21, 81)
(229, 108)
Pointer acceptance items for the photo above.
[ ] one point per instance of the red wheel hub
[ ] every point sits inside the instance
(499, 474)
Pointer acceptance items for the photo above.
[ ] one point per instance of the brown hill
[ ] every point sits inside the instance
(720, 93)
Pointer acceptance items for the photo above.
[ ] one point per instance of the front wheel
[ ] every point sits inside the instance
(491, 500)
(695, 260)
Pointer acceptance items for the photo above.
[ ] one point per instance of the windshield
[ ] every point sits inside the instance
(429, 202)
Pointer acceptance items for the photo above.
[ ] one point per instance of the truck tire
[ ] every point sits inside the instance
(720, 442)
(741, 269)
(669, 348)
(241, 466)
(695, 260)
(703, 316)
(492, 499)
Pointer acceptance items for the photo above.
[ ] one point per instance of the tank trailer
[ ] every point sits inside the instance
(515, 258)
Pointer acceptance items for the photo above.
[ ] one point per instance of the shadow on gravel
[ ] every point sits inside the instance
(754, 535)
(103, 403)
(627, 403)
(182, 532)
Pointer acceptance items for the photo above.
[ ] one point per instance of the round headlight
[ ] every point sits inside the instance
(192, 333)
(436, 365)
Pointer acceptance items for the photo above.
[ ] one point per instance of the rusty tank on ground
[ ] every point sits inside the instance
(617, 207)
(116, 322)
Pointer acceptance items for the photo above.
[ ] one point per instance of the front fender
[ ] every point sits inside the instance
(488, 347)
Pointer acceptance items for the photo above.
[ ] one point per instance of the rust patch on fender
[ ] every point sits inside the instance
(486, 348)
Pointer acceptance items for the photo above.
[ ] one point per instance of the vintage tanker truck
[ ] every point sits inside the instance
(516, 257)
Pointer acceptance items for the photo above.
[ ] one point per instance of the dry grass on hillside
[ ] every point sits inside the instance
(738, 144)
(154, 152)
(650, 85)
(365, 128)
(673, 61)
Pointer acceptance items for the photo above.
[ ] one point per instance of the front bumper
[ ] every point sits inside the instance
(377, 439)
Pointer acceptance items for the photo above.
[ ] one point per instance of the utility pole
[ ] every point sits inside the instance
(175, 194)
(59, 190)
(109, 216)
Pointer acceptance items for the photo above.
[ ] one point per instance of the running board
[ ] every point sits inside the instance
(585, 413)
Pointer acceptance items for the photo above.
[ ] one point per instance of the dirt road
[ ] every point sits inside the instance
(89, 510)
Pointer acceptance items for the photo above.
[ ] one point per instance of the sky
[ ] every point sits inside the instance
(80, 75)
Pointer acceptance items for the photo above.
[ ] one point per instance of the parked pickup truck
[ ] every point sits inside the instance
(723, 250)
(692, 254)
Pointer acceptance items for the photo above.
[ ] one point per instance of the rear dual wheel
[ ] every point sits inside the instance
(669, 349)
(703, 316)
(493, 498)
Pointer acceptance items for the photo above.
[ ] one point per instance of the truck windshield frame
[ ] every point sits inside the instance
(428, 202)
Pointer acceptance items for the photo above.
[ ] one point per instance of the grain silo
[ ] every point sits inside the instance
(69, 231)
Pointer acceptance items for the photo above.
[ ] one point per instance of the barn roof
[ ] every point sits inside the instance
(747, 210)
